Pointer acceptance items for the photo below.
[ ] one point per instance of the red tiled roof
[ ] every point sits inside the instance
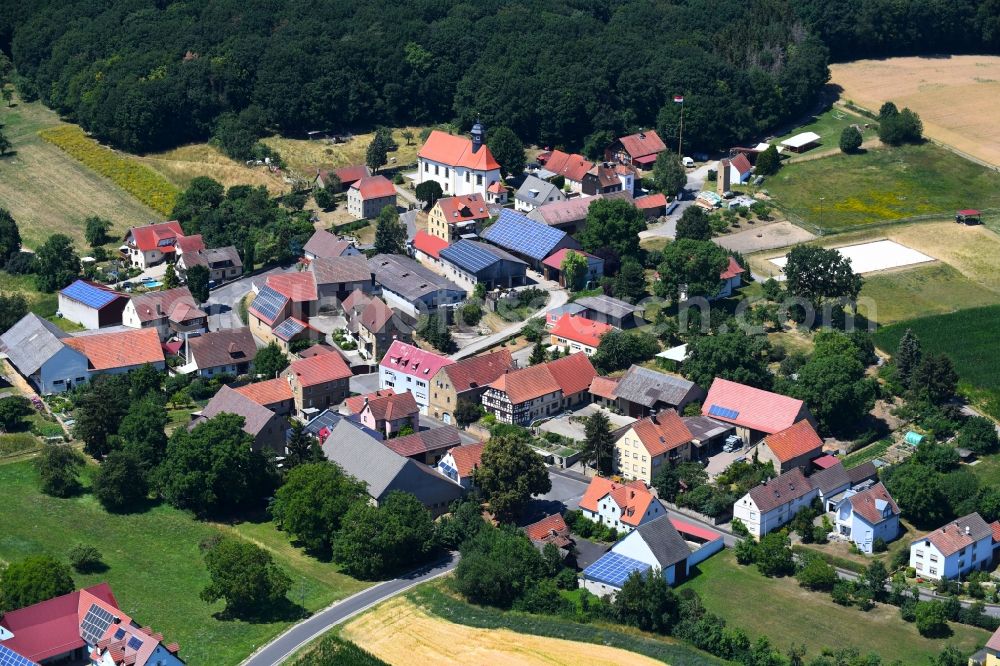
(741, 163)
(428, 244)
(572, 167)
(643, 144)
(478, 371)
(356, 403)
(995, 526)
(496, 188)
(324, 244)
(456, 151)
(959, 533)
(580, 329)
(756, 409)
(604, 387)
(794, 441)
(375, 187)
(555, 259)
(465, 208)
(155, 305)
(319, 369)
(270, 392)
(826, 462)
(413, 361)
(393, 407)
(148, 237)
(633, 499)
(690, 529)
(547, 527)
(121, 349)
(863, 503)
(571, 374)
(732, 270)
(190, 243)
(375, 315)
(662, 432)
(300, 287)
(650, 201)
(351, 174)
(467, 457)
(317, 350)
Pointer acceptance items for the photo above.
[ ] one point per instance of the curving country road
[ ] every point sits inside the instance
(282, 647)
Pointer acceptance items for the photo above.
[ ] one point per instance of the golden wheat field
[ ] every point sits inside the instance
(956, 96)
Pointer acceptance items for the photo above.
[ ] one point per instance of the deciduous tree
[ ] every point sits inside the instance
(59, 470)
(668, 173)
(498, 566)
(690, 268)
(768, 162)
(121, 484)
(95, 230)
(574, 270)
(734, 356)
(507, 149)
(269, 362)
(390, 234)
(613, 223)
(58, 263)
(13, 409)
(245, 576)
(508, 475)
(429, 192)
(816, 274)
(197, 278)
(13, 307)
(850, 139)
(977, 434)
(31, 580)
(313, 501)
(694, 224)
(620, 349)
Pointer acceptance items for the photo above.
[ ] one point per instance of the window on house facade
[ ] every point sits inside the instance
(446, 171)
(427, 167)
(920, 553)
(479, 179)
(467, 176)
(436, 172)
(933, 571)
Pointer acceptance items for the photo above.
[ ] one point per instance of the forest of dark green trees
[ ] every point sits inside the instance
(146, 75)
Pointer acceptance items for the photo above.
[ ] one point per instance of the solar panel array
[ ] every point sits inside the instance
(119, 634)
(88, 294)
(468, 256)
(614, 568)
(724, 412)
(95, 624)
(134, 643)
(448, 470)
(521, 234)
(268, 303)
(288, 329)
(10, 658)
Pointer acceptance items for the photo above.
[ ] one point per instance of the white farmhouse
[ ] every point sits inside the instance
(773, 503)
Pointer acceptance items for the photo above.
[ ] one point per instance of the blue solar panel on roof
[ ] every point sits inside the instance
(468, 256)
(119, 634)
(268, 303)
(614, 569)
(518, 233)
(10, 658)
(288, 328)
(724, 412)
(134, 643)
(88, 294)
(95, 624)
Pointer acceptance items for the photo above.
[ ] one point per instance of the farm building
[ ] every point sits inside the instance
(337, 278)
(553, 266)
(37, 350)
(610, 310)
(427, 249)
(345, 177)
(800, 143)
(571, 215)
(91, 305)
(469, 262)
(411, 287)
(530, 240)
(755, 412)
(367, 197)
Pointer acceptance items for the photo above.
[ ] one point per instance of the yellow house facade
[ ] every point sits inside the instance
(649, 444)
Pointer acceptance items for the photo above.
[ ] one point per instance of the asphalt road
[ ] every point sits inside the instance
(695, 184)
(282, 647)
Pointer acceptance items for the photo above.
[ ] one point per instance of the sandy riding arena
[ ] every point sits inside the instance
(955, 96)
(877, 256)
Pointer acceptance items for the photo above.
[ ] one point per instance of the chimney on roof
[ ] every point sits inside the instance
(642, 135)
(159, 309)
(967, 530)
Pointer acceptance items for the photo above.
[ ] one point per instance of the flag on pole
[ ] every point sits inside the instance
(678, 99)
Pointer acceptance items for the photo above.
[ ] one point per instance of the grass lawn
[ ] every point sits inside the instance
(969, 338)
(790, 615)
(42, 304)
(882, 185)
(303, 157)
(47, 191)
(923, 290)
(829, 124)
(182, 165)
(155, 564)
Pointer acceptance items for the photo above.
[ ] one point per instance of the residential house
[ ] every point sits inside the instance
(521, 397)
(867, 516)
(318, 382)
(571, 215)
(408, 368)
(652, 205)
(553, 266)
(732, 279)
(465, 380)
(383, 470)
(452, 217)
(85, 626)
(172, 312)
(469, 263)
(602, 392)
(223, 263)
(189, 244)
(956, 549)
(535, 192)
(496, 194)
(324, 245)
(91, 305)
(707, 435)
(343, 177)
(266, 427)
(642, 391)
(460, 463)
(657, 545)
(323, 424)
(119, 352)
(374, 325)
(427, 250)
(426, 446)
(755, 412)
(459, 165)
(337, 278)
(795, 446)
(646, 445)
(228, 351)
(151, 244)
(775, 502)
(271, 318)
(411, 287)
(620, 506)
(740, 168)
(301, 290)
(613, 311)
(367, 197)
(572, 167)
(628, 175)
(575, 334)
(990, 654)
(551, 529)
(640, 149)
(275, 394)
(555, 314)
(390, 414)
(602, 178)
(36, 348)
(353, 405)
(831, 483)
(529, 240)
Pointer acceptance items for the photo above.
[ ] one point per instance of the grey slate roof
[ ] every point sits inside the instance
(831, 480)
(408, 277)
(384, 470)
(341, 269)
(536, 191)
(606, 305)
(665, 542)
(232, 402)
(31, 342)
(329, 418)
(862, 472)
(647, 387)
(704, 428)
(215, 257)
(790, 486)
(231, 346)
(324, 244)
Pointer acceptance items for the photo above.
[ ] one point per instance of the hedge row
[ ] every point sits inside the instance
(141, 182)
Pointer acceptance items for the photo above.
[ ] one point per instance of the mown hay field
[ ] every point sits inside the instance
(304, 157)
(182, 165)
(956, 96)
